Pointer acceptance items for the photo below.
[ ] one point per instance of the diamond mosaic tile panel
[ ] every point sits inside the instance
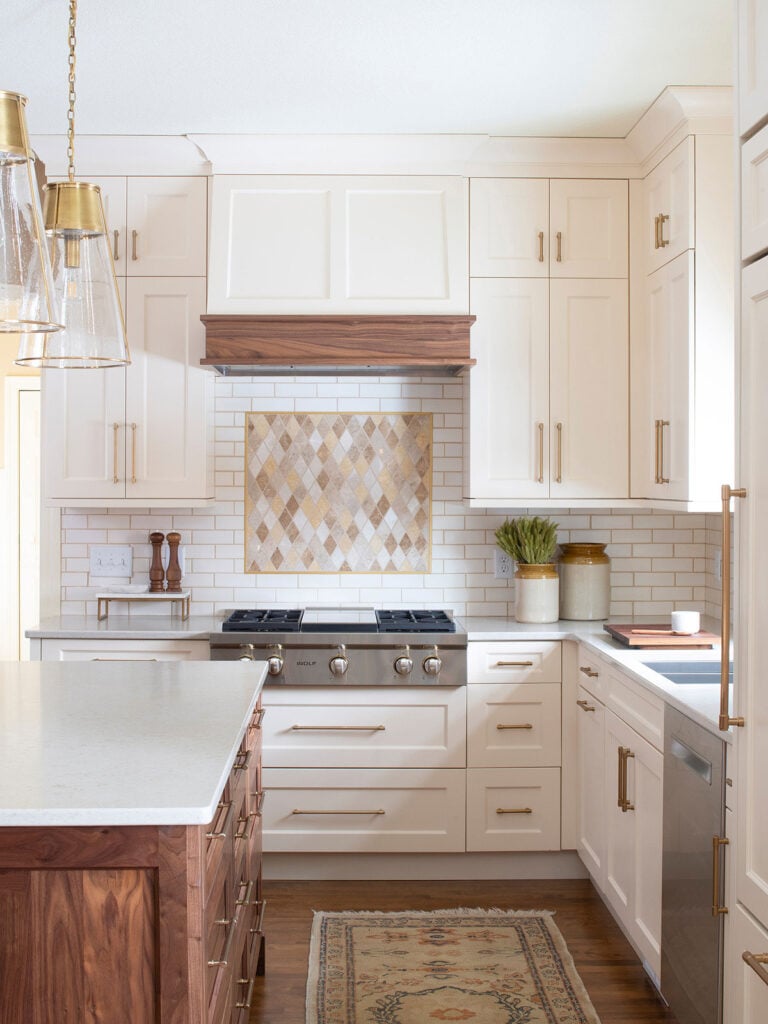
(338, 492)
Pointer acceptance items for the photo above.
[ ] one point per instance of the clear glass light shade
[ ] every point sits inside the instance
(84, 281)
(27, 295)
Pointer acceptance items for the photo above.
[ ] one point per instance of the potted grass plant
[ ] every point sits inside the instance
(531, 541)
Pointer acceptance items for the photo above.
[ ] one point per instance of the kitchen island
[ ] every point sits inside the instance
(130, 842)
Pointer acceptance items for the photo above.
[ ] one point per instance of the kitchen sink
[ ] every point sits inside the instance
(689, 672)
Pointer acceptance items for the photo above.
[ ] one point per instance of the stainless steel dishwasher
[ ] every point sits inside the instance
(692, 879)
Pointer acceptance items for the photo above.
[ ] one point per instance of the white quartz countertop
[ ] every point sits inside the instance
(129, 743)
(166, 626)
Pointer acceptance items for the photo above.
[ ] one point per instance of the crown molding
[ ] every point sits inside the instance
(680, 110)
(100, 155)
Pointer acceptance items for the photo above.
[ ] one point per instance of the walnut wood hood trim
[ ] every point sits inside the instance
(397, 345)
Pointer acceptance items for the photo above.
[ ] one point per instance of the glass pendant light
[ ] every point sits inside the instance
(83, 271)
(27, 296)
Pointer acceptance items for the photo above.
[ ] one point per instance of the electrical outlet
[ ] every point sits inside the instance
(111, 560)
(502, 565)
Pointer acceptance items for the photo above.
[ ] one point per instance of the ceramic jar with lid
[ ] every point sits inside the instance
(585, 581)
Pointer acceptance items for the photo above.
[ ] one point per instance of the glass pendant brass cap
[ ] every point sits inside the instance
(73, 206)
(13, 136)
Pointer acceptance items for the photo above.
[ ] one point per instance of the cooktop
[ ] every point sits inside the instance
(330, 620)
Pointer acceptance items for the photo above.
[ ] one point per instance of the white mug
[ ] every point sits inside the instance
(685, 622)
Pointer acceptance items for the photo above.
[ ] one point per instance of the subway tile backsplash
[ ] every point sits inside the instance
(659, 559)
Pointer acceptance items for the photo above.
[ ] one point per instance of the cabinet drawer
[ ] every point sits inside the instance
(515, 661)
(513, 809)
(367, 810)
(125, 650)
(636, 706)
(592, 672)
(513, 725)
(347, 727)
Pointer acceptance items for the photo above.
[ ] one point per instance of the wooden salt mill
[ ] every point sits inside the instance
(156, 574)
(173, 572)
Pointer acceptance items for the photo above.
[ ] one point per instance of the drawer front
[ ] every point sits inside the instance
(592, 672)
(368, 810)
(748, 990)
(637, 707)
(515, 661)
(513, 809)
(125, 650)
(511, 725)
(350, 727)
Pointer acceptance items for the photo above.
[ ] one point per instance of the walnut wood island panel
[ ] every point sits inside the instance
(130, 842)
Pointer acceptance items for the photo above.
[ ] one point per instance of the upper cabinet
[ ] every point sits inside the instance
(668, 213)
(529, 227)
(753, 64)
(333, 244)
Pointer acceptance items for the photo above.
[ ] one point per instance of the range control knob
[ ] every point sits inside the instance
(404, 664)
(432, 664)
(339, 664)
(275, 661)
(247, 652)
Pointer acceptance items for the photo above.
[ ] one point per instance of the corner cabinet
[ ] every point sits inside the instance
(140, 435)
(338, 244)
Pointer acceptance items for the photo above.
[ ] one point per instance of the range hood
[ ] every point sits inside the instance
(357, 345)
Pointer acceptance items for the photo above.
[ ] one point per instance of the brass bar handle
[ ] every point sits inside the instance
(586, 706)
(260, 801)
(338, 728)
(717, 907)
(756, 961)
(133, 453)
(245, 759)
(656, 232)
(541, 247)
(123, 659)
(246, 1003)
(134, 244)
(115, 250)
(231, 929)
(223, 834)
(540, 477)
(246, 900)
(624, 755)
(656, 472)
(115, 429)
(525, 725)
(514, 664)
(590, 672)
(620, 780)
(559, 434)
(559, 237)
(663, 218)
(725, 721)
(662, 479)
(259, 718)
(377, 810)
(514, 810)
(259, 928)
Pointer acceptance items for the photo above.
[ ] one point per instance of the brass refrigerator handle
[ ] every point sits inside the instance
(725, 721)
(559, 435)
(541, 247)
(756, 961)
(116, 250)
(559, 237)
(540, 477)
(717, 907)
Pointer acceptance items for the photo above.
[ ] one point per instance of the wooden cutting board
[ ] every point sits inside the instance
(627, 634)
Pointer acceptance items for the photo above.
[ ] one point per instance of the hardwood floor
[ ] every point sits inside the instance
(607, 964)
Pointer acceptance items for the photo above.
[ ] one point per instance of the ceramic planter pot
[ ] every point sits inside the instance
(537, 593)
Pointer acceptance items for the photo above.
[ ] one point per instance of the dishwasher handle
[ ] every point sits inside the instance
(698, 765)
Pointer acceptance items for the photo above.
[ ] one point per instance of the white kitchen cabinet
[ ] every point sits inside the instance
(81, 649)
(136, 435)
(747, 987)
(529, 227)
(338, 244)
(514, 661)
(752, 64)
(549, 387)
(682, 362)
(513, 725)
(513, 809)
(668, 207)
(592, 784)
(754, 189)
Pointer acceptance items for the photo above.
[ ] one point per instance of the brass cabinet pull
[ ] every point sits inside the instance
(541, 247)
(261, 796)
(243, 764)
(514, 664)
(123, 659)
(526, 725)
(377, 810)
(559, 237)
(231, 929)
(656, 232)
(246, 1003)
(115, 251)
(624, 803)
(725, 721)
(559, 432)
(259, 927)
(540, 477)
(656, 470)
(338, 728)
(756, 961)
(586, 706)
(220, 835)
(115, 429)
(259, 718)
(660, 478)
(588, 671)
(246, 900)
(663, 218)
(717, 908)
(134, 248)
(514, 810)
(133, 453)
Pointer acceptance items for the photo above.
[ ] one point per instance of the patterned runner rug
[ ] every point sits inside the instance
(413, 967)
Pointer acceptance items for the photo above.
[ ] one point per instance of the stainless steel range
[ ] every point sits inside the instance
(347, 646)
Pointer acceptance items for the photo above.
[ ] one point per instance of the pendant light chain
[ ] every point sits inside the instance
(71, 111)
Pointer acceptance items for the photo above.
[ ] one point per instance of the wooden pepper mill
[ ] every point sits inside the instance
(156, 574)
(173, 572)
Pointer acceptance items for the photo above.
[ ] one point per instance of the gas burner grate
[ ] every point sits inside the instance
(263, 620)
(419, 621)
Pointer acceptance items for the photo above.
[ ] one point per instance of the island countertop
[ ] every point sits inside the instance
(129, 743)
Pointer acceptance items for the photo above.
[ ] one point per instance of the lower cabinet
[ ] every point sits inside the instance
(747, 999)
(513, 809)
(119, 650)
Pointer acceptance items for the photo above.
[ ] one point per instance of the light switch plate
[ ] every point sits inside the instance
(111, 560)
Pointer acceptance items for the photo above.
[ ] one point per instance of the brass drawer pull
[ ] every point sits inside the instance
(756, 961)
(378, 810)
(514, 664)
(260, 801)
(259, 927)
(717, 907)
(243, 821)
(232, 928)
(338, 728)
(586, 706)
(258, 718)
(514, 810)
(246, 1003)
(590, 672)
(243, 764)
(526, 725)
(220, 835)
(246, 900)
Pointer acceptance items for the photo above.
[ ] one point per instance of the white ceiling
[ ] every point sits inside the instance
(497, 67)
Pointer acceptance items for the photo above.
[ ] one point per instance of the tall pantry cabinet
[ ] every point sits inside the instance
(746, 970)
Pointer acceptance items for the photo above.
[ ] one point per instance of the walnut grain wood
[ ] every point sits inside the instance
(367, 341)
